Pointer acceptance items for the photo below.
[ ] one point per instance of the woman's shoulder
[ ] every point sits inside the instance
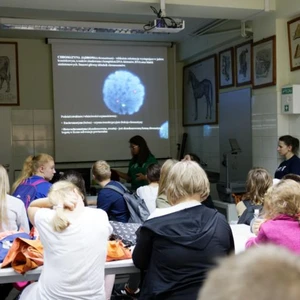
(151, 159)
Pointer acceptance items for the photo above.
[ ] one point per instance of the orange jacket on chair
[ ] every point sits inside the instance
(24, 255)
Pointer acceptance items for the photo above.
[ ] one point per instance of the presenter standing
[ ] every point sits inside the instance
(141, 159)
(288, 147)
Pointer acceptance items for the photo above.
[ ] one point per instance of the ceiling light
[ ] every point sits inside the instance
(71, 26)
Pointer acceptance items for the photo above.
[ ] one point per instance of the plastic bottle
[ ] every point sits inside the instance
(256, 213)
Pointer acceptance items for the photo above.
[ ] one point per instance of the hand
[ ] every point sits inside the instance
(141, 176)
(72, 201)
(256, 225)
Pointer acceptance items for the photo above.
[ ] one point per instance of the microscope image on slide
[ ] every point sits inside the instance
(123, 93)
(164, 130)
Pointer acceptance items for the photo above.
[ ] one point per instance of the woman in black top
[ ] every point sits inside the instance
(288, 147)
(178, 245)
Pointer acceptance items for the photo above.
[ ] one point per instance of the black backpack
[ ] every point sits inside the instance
(137, 207)
(248, 213)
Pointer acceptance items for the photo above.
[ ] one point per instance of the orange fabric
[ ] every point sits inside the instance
(117, 251)
(24, 255)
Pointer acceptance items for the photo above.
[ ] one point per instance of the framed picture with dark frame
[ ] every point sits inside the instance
(200, 92)
(264, 63)
(294, 43)
(226, 72)
(9, 77)
(243, 63)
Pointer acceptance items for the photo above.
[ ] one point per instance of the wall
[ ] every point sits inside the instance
(32, 122)
(267, 121)
(204, 140)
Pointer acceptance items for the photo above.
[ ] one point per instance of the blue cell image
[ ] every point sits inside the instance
(164, 130)
(123, 93)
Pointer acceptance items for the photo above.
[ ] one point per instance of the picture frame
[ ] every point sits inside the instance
(294, 43)
(243, 63)
(264, 63)
(200, 92)
(9, 74)
(226, 70)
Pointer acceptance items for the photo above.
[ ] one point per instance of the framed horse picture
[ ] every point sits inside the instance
(226, 71)
(200, 92)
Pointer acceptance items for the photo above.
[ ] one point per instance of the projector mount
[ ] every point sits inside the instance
(163, 24)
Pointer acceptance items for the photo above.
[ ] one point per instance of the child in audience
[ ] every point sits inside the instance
(36, 168)
(12, 211)
(109, 200)
(193, 157)
(77, 179)
(282, 215)
(75, 245)
(181, 243)
(13, 217)
(149, 192)
(258, 182)
(162, 201)
(262, 273)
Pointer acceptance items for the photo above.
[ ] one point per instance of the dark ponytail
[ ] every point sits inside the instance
(290, 141)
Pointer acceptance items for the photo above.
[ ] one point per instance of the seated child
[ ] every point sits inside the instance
(149, 192)
(258, 182)
(281, 214)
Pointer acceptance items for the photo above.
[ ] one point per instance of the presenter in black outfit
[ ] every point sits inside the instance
(288, 147)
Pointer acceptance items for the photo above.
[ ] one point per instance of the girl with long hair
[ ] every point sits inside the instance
(37, 168)
(281, 217)
(75, 246)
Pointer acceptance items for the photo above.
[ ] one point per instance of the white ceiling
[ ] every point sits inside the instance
(129, 11)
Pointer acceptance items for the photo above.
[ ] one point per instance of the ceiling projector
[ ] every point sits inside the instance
(166, 25)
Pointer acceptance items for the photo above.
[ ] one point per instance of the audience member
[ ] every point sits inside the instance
(281, 214)
(75, 244)
(77, 179)
(257, 184)
(109, 200)
(264, 273)
(178, 245)
(12, 211)
(141, 159)
(162, 201)
(292, 176)
(193, 157)
(149, 192)
(13, 217)
(288, 147)
(36, 168)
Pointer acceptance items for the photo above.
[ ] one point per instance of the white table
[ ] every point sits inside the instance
(241, 234)
(125, 266)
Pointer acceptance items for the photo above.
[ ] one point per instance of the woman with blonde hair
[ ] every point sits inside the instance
(162, 201)
(12, 211)
(258, 182)
(178, 245)
(13, 218)
(37, 170)
(282, 216)
(75, 244)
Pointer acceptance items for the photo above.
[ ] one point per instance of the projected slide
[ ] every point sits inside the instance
(104, 95)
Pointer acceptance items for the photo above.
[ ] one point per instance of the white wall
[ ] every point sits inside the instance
(267, 121)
